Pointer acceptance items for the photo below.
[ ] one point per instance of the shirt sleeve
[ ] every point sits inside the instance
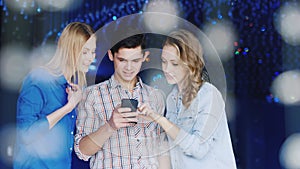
(198, 141)
(31, 124)
(86, 119)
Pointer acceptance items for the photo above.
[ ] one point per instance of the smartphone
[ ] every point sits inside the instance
(131, 103)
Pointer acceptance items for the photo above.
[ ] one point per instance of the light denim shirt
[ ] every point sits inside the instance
(203, 141)
(37, 146)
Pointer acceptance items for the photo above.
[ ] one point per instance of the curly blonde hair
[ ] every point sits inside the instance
(191, 57)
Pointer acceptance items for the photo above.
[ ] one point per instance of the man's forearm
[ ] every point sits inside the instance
(92, 143)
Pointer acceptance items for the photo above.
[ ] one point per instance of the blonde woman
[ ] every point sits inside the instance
(196, 122)
(45, 107)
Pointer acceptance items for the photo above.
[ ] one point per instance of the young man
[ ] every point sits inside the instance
(114, 136)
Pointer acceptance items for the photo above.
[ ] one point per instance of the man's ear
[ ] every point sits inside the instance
(110, 55)
(146, 54)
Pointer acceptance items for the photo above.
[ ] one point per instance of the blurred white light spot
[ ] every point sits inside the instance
(222, 36)
(286, 87)
(33, 6)
(290, 152)
(19, 5)
(287, 23)
(14, 66)
(41, 55)
(7, 135)
(61, 5)
(160, 21)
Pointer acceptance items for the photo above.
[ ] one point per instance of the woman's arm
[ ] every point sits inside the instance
(74, 96)
(197, 141)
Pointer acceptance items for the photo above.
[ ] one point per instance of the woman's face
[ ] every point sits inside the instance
(88, 54)
(172, 66)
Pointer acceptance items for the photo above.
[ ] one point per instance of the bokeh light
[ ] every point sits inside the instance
(161, 23)
(287, 23)
(7, 135)
(61, 5)
(222, 35)
(14, 66)
(40, 55)
(286, 87)
(33, 6)
(20, 5)
(290, 152)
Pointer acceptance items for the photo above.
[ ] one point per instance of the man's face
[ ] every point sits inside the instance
(127, 63)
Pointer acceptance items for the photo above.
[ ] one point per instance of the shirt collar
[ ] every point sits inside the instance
(62, 80)
(175, 93)
(115, 83)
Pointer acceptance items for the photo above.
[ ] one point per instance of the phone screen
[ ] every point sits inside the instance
(131, 103)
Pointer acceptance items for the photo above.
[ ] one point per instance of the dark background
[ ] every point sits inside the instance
(259, 122)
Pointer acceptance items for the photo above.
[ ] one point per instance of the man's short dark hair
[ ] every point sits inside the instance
(130, 42)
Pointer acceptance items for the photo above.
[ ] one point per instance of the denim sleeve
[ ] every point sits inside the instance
(30, 124)
(199, 141)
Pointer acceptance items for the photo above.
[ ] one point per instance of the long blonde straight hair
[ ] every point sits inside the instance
(68, 52)
(191, 56)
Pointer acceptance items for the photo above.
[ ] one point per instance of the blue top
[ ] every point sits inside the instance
(36, 146)
(204, 139)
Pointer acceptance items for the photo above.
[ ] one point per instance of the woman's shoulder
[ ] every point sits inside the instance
(39, 76)
(208, 89)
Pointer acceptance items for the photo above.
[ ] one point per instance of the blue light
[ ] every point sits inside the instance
(260, 61)
(214, 22)
(156, 77)
(114, 18)
(263, 29)
(276, 100)
(220, 16)
(93, 67)
(38, 9)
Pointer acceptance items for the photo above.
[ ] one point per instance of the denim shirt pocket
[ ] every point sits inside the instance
(187, 120)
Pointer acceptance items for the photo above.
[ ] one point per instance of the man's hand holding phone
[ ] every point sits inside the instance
(124, 115)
